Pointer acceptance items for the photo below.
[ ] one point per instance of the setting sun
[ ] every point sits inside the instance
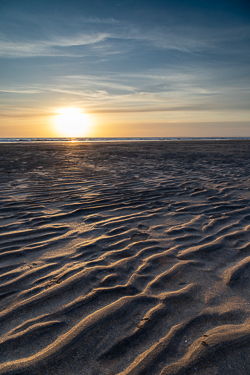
(72, 122)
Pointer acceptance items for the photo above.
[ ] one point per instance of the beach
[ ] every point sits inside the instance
(125, 258)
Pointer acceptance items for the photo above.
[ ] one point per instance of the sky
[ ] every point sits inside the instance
(130, 68)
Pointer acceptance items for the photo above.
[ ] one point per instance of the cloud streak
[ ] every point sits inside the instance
(53, 47)
(81, 36)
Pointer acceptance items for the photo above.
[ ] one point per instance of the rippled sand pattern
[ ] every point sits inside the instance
(126, 258)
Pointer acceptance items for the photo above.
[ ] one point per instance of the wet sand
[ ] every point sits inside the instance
(125, 258)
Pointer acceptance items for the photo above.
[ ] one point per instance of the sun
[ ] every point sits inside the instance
(72, 122)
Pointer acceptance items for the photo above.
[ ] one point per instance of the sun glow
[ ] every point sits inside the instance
(72, 122)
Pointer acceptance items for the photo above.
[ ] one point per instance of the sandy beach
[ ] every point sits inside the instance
(125, 258)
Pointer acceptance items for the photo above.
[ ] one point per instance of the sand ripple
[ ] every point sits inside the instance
(127, 258)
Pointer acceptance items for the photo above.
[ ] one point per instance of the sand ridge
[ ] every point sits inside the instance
(125, 258)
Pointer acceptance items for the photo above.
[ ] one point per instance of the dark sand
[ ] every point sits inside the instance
(126, 258)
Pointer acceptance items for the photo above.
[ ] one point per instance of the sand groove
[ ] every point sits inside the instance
(125, 258)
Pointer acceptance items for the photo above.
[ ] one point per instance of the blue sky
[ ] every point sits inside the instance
(140, 68)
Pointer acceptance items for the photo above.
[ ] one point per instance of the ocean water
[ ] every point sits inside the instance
(120, 139)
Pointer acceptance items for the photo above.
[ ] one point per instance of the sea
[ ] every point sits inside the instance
(123, 139)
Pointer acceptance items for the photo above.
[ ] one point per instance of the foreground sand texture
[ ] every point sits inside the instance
(125, 258)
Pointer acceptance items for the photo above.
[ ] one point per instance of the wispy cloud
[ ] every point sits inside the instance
(109, 36)
(28, 91)
(56, 46)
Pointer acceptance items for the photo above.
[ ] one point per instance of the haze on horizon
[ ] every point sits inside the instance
(136, 68)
